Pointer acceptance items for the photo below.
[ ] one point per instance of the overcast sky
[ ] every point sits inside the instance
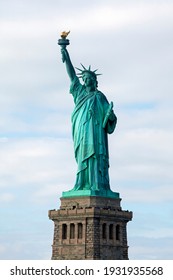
(131, 43)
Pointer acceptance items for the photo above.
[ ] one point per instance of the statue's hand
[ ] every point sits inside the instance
(64, 54)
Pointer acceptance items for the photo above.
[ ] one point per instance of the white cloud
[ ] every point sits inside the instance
(151, 194)
(6, 197)
(121, 17)
(148, 249)
(136, 148)
(35, 160)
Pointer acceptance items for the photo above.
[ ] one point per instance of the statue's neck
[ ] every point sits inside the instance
(90, 89)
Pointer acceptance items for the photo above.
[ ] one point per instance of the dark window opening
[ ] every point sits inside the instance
(64, 231)
(117, 232)
(80, 230)
(72, 231)
(111, 231)
(104, 231)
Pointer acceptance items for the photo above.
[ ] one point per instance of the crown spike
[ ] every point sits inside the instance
(82, 71)
(83, 67)
(79, 69)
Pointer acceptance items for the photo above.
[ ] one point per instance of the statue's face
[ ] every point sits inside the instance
(88, 79)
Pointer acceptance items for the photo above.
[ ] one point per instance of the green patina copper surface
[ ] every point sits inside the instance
(92, 120)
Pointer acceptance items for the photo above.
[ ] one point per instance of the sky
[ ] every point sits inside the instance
(131, 43)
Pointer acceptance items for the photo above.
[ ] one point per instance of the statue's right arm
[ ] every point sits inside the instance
(69, 66)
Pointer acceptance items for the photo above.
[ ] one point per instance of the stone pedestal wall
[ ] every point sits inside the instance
(90, 228)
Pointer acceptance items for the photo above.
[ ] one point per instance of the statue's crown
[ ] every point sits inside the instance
(85, 70)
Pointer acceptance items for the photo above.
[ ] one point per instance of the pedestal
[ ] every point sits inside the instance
(90, 228)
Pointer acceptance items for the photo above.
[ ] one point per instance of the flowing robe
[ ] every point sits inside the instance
(90, 138)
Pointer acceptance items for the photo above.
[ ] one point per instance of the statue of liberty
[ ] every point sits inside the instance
(92, 120)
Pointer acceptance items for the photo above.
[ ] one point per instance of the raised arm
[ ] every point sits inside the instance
(69, 66)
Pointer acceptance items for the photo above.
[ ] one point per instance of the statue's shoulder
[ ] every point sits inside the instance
(101, 95)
